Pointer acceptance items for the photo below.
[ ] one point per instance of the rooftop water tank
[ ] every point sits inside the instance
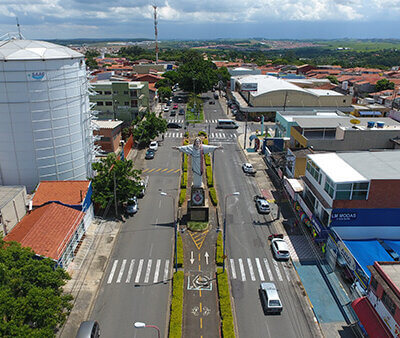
(370, 124)
(45, 131)
(380, 124)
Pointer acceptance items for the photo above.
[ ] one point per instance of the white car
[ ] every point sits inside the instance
(166, 109)
(248, 168)
(262, 205)
(280, 249)
(132, 206)
(153, 145)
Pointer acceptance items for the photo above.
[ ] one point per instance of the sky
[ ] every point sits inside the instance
(202, 19)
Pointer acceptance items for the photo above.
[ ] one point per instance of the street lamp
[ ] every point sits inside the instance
(237, 193)
(162, 193)
(141, 325)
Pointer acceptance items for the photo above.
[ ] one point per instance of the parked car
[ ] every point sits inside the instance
(211, 102)
(262, 205)
(216, 96)
(153, 145)
(149, 154)
(172, 113)
(270, 300)
(132, 206)
(175, 106)
(181, 111)
(89, 329)
(174, 125)
(166, 108)
(280, 249)
(248, 169)
(143, 185)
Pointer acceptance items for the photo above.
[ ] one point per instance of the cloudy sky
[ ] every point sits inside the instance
(202, 19)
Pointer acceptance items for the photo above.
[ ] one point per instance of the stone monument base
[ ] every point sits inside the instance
(198, 205)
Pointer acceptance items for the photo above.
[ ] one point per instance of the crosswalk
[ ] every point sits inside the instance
(139, 271)
(182, 120)
(173, 134)
(223, 136)
(258, 269)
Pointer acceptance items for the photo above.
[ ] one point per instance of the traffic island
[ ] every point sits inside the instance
(197, 226)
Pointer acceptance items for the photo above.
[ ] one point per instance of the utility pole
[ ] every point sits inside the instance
(284, 104)
(156, 31)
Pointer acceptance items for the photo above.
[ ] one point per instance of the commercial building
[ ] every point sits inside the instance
(45, 118)
(122, 100)
(13, 203)
(109, 133)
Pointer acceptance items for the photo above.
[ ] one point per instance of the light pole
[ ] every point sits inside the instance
(237, 193)
(141, 325)
(162, 193)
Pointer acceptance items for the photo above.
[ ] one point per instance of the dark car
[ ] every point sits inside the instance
(149, 154)
(181, 111)
(211, 102)
(172, 113)
(174, 125)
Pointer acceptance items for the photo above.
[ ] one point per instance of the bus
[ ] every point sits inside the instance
(227, 124)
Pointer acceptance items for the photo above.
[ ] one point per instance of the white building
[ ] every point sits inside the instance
(45, 130)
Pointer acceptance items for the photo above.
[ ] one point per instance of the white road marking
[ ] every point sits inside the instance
(286, 271)
(111, 276)
(130, 270)
(139, 271)
(260, 272)
(271, 277)
(121, 271)
(233, 268)
(166, 270)
(147, 276)
(241, 267)
(252, 276)
(157, 271)
(278, 272)
(159, 204)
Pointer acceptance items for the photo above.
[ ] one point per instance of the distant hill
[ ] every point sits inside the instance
(65, 42)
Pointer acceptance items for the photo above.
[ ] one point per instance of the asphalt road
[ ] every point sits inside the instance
(133, 287)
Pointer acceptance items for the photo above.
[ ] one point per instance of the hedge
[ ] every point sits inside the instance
(219, 250)
(179, 250)
(185, 162)
(225, 308)
(202, 133)
(205, 141)
(207, 159)
(213, 196)
(210, 182)
(185, 142)
(175, 322)
(182, 196)
(184, 179)
(186, 134)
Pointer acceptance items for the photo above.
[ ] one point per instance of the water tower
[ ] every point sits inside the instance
(45, 131)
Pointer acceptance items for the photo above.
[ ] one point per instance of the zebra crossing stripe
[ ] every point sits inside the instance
(157, 270)
(278, 271)
(252, 276)
(271, 277)
(111, 276)
(147, 276)
(139, 271)
(286, 271)
(121, 271)
(241, 267)
(233, 268)
(260, 272)
(130, 270)
(166, 270)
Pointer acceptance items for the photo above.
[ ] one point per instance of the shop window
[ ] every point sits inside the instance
(343, 191)
(389, 304)
(374, 283)
(126, 103)
(329, 187)
(115, 92)
(100, 103)
(133, 93)
(134, 103)
(99, 92)
(324, 218)
(108, 103)
(126, 92)
(107, 92)
(360, 190)
(314, 171)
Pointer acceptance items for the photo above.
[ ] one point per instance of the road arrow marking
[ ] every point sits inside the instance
(206, 255)
(191, 257)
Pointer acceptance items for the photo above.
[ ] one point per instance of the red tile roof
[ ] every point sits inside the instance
(67, 192)
(47, 230)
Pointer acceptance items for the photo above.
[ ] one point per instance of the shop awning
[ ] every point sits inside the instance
(370, 113)
(369, 318)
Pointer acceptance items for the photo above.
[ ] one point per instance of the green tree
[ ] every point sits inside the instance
(92, 53)
(163, 83)
(164, 92)
(333, 79)
(149, 128)
(127, 180)
(91, 63)
(32, 302)
(172, 76)
(384, 84)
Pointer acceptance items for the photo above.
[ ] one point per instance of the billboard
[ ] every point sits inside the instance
(249, 87)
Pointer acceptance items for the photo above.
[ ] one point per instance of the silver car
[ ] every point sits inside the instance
(132, 206)
(280, 249)
(270, 298)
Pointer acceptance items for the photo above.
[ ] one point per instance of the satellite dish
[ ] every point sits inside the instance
(355, 121)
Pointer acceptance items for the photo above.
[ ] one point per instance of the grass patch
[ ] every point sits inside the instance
(213, 196)
(210, 182)
(219, 250)
(193, 118)
(225, 308)
(182, 196)
(179, 250)
(175, 322)
(197, 226)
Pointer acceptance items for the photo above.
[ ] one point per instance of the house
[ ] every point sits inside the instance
(13, 202)
(52, 230)
(109, 132)
(73, 194)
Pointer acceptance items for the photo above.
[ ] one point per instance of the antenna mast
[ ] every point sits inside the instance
(155, 31)
(19, 29)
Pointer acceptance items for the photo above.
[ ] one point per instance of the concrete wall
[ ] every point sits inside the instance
(13, 211)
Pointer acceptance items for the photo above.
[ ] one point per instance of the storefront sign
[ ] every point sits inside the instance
(345, 216)
(347, 256)
(305, 208)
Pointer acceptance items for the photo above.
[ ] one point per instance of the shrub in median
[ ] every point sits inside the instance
(185, 162)
(175, 322)
(218, 255)
(182, 196)
(210, 181)
(205, 141)
(186, 134)
(184, 179)
(179, 251)
(213, 196)
(202, 133)
(207, 159)
(225, 308)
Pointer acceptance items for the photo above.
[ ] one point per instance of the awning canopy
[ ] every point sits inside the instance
(370, 113)
(369, 318)
(367, 252)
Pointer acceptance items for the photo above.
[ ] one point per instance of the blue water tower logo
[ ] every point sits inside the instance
(37, 75)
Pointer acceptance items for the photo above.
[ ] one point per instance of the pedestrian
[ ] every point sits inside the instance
(163, 137)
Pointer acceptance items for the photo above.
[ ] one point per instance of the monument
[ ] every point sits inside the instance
(198, 205)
